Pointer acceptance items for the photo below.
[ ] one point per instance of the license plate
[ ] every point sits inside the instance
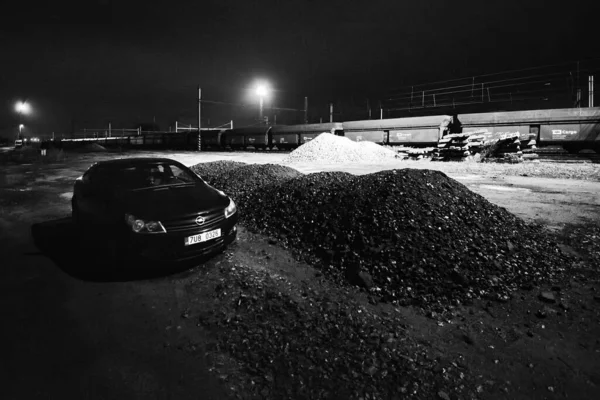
(202, 237)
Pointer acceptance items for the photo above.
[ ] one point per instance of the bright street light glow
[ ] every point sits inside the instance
(23, 107)
(262, 90)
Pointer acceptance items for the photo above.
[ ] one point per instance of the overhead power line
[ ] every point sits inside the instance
(407, 87)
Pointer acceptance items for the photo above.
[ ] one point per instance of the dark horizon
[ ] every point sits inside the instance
(85, 64)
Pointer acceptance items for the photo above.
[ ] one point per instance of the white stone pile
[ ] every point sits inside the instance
(331, 149)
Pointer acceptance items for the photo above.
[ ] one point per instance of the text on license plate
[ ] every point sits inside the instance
(202, 237)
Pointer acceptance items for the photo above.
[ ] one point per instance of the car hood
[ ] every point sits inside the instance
(171, 202)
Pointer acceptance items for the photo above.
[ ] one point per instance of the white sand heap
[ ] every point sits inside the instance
(331, 149)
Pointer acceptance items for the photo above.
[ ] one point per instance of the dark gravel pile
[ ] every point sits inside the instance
(423, 238)
(324, 346)
(240, 182)
(209, 171)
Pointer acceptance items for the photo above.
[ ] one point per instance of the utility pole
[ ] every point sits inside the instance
(591, 91)
(369, 108)
(330, 112)
(306, 110)
(199, 118)
(381, 110)
(109, 130)
(175, 126)
(578, 88)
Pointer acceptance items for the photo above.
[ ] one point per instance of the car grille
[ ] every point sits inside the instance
(188, 223)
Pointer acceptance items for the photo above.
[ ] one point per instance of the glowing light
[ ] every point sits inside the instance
(23, 107)
(262, 90)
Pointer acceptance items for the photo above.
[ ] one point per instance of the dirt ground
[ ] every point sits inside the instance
(136, 335)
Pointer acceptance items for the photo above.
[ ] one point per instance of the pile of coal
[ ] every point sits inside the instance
(331, 149)
(209, 171)
(306, 343)
(411, 236)
(240, 181)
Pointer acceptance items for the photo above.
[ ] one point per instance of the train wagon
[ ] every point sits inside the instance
(241, 138)
(574, 129)
(292, 136)
(412, 131)
(212, 139)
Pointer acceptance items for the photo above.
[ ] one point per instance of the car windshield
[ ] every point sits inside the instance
(144, 175)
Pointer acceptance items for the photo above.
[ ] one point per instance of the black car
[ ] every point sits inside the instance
(152, 208)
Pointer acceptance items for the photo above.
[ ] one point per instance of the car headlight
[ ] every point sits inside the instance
(140, 226)
(231, 209)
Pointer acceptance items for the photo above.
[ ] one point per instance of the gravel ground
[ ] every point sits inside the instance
(583, 171)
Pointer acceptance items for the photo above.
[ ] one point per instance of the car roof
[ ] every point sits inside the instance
(133, 161)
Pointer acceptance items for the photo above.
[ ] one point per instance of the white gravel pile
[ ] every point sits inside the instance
(331, 149)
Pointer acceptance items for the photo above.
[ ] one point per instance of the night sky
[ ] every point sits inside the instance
(84, 63)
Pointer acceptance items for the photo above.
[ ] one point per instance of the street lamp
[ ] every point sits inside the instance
(22, 107)
(262, 90)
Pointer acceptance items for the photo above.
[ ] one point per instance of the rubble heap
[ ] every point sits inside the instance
(332, 149)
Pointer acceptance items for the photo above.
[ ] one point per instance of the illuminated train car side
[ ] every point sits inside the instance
(292, 136)
(413, 131)
(574, 129)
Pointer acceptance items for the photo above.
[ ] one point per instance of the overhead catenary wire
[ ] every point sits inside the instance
(573, 63)
(469, 88)
(248, 105)
(467, 91)
(506, 97)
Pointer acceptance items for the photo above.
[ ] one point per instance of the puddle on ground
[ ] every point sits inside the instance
(505, 188)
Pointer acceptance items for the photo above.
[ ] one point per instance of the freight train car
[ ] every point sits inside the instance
(242, 138)
(213, 139)
(574, 129)
(412, 131)
(292, 136)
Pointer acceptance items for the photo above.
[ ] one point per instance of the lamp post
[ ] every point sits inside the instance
(22, 108)
(261, 91)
